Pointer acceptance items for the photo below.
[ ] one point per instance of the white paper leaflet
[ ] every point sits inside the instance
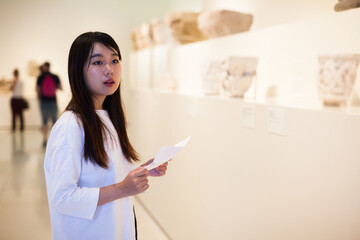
(166, 153)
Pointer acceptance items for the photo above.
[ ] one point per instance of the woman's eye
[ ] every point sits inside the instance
(97, 63)
(115, 61)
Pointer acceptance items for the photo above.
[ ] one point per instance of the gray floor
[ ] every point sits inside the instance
(24, 210)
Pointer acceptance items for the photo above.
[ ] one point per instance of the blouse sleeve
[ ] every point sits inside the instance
(63, 161)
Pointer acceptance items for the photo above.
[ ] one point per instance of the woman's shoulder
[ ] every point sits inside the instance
(67, 122)
(68, 118)
(67, 129)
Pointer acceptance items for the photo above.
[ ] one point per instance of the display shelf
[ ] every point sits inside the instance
(299, 103)
(287, 56)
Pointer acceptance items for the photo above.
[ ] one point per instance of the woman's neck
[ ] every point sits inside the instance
(98, 102)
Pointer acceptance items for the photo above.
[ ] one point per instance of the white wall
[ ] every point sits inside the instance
(238, 182)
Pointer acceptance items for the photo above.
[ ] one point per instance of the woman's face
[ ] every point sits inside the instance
(102, 73)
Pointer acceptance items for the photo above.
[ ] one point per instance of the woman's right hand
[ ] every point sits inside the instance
(135, 182)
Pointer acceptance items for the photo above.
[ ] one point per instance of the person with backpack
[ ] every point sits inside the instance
(46, 86)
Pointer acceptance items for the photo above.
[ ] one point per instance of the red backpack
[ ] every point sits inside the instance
(48, 86)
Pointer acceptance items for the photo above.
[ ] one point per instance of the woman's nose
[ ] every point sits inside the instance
(108, 69)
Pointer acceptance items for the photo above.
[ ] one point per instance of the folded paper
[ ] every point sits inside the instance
(166, 153)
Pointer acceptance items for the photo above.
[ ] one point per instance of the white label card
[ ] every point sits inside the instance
(248, 115)
(276, 121)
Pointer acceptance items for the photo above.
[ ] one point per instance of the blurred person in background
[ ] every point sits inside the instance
(46, 85)
(17, 101)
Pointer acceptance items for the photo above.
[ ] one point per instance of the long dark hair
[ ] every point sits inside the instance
(82, 104)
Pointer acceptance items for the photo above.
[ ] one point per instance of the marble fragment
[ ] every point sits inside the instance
(160, 32)
(231, 76)
(184, 27)
(239, 74)
(212, 72)
(141, 37)
(343, 5)
(223, 22)
(337, 74)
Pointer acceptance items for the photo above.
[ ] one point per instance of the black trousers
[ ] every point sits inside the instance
(17, 112)
(135, 224)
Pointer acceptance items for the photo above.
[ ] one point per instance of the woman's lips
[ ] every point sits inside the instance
(109, 83)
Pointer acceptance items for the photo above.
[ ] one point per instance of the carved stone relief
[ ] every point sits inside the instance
(233, 75)
(337, 74)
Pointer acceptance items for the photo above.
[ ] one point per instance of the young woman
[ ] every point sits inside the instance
(90, 179)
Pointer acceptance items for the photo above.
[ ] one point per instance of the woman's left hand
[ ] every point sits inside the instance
(158, 171)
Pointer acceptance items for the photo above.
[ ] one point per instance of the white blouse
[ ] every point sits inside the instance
(73, 185)
(18, 89)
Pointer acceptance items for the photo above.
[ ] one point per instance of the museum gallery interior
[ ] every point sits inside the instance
(269, 92)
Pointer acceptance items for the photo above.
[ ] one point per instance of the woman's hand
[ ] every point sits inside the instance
(158, 171)
(135, 182)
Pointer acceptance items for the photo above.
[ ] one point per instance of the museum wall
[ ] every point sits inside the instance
(235, 181)
(274, 164)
